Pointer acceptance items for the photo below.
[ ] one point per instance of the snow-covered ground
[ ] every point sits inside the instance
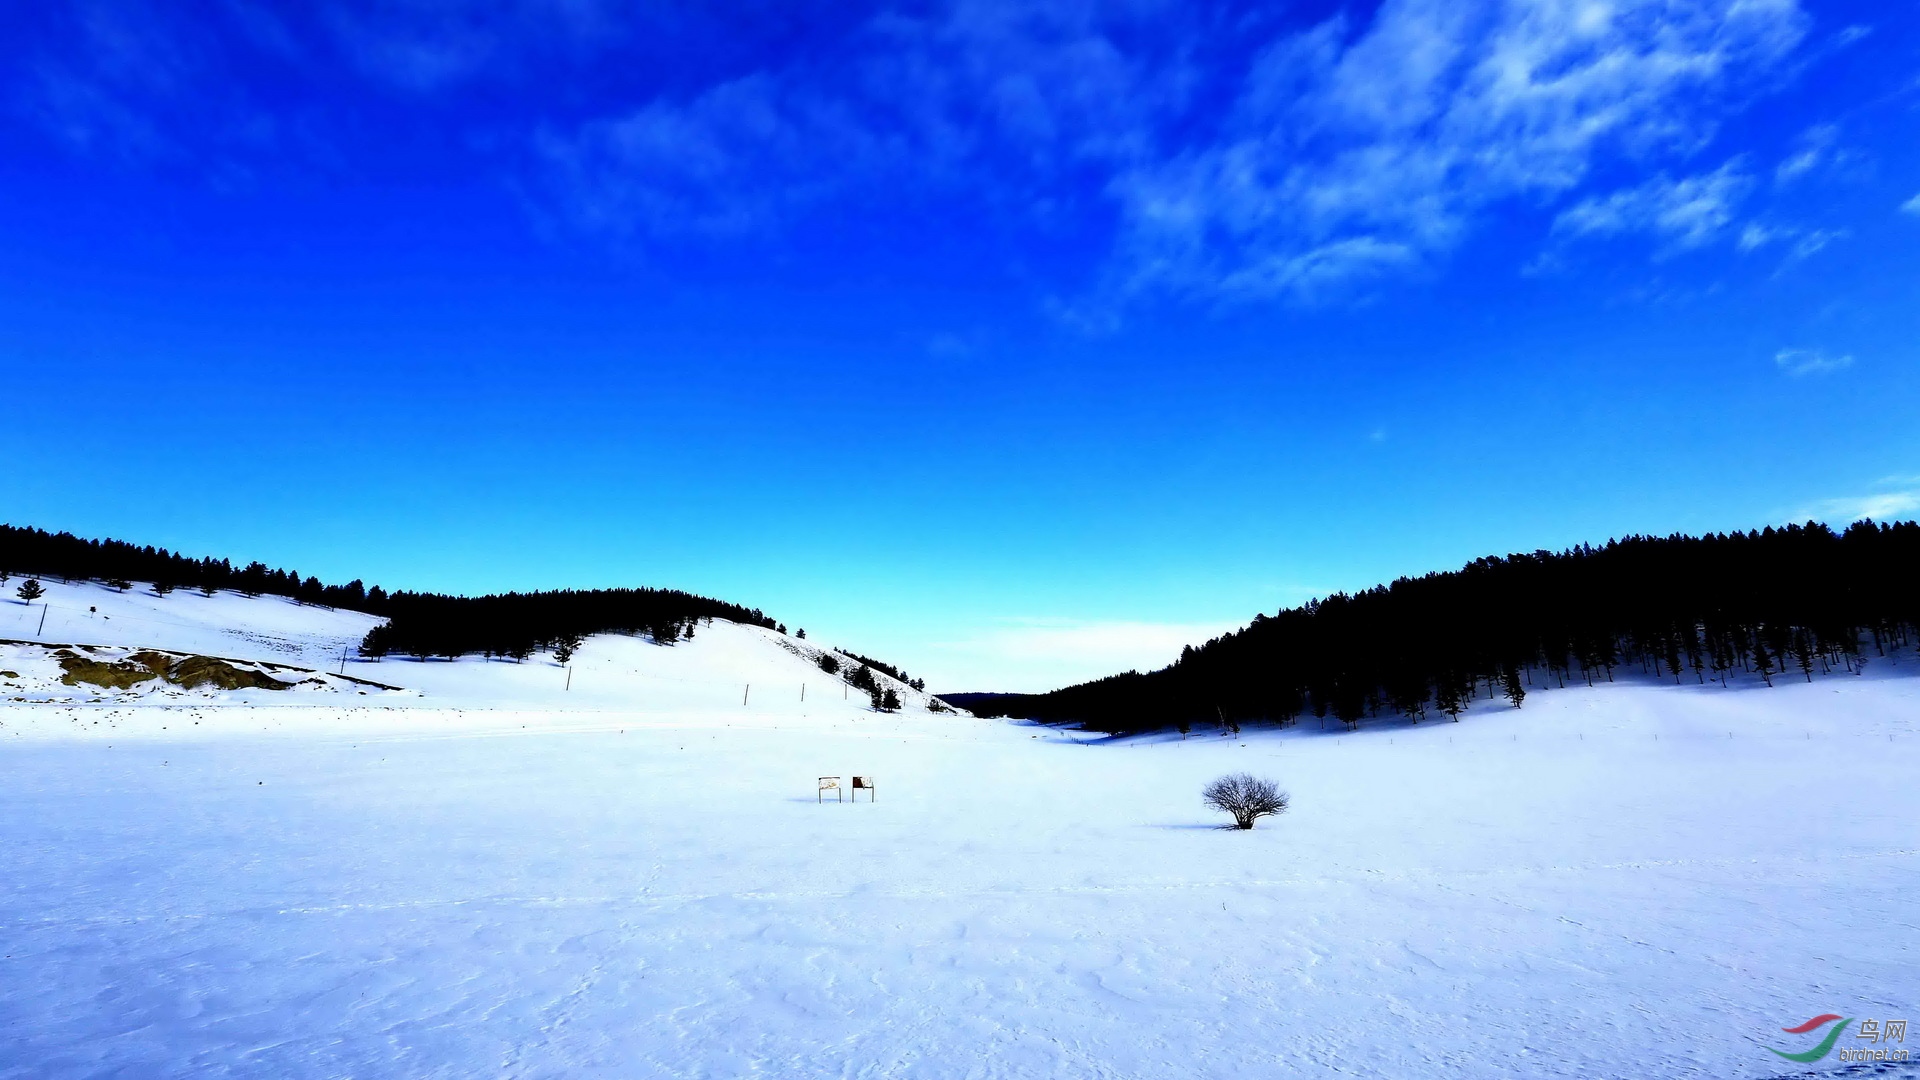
(492, 875)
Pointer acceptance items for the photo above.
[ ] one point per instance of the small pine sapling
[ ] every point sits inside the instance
(30, 590)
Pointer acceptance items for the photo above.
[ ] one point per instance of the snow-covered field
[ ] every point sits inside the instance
(488, 874)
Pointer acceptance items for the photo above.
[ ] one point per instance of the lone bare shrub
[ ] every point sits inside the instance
(1247, 797)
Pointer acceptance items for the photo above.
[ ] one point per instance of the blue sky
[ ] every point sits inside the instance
(1015, 343)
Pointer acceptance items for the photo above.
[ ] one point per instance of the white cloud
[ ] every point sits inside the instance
(1912, 206)
(1225, 158)
(1815, 146)
(730, 160)
(1399, 138)
(1801, 243)
(1685, 213)
(1798, 362)
(428, 45)
(1347, 151)
(994, 102)
(1881, 506)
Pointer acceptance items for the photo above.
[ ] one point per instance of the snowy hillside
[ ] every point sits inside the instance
(725, 666)
(224, 624)
(490, 874)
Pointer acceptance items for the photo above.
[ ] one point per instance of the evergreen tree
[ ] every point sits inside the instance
(1762, 661)
(1510, 679)
(30, 590)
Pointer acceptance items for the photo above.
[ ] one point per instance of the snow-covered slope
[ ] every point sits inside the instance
(1628, 881)
(224, 624)
(726, 666)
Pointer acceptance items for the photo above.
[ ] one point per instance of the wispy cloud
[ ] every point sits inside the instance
(1219, 157)
(994, 103)
(1347, 152)
(1814, 147)
(429, 45)
(1799, 362)
(1912, 206)
(1686, 213)
(733, 159)
(1880, 506)
(1369, 150)
(1800, 243)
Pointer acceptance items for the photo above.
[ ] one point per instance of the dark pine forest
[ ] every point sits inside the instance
(418, 624)
(1779, 603)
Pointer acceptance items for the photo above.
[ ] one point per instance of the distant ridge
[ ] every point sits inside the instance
(1788, 602)
(420, 624)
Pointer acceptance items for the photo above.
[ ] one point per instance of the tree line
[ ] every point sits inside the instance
(517, 624)
(26, 550)
(1775, 603)
(418, 624)
(888, 669)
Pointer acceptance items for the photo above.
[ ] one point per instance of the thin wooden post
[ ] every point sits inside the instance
(743, 695)
(569, 685)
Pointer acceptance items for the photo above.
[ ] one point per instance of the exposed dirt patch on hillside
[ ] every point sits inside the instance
(121, 676)
(201, 670)
(189, 671)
